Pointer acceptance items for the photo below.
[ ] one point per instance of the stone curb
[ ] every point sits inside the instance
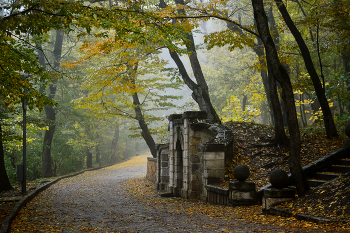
(5, 227)
(309, 218)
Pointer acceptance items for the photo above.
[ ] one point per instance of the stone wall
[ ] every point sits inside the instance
(151, 169)
(195, 156)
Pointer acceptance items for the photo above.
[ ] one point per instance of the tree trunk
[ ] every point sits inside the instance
(98, 155)
(145, 131)
(331, 129)
(88, 158)
(49, 110)
(346, 63)
(281, 75)
(113, 158)
(273, 99)
(50, 115)
(4, 180)
(200, 92)
(146, 135)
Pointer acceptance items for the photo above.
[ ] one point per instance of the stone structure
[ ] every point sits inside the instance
(278, 193)
(151, 174)
(242, 193)
(195, 156)
(162, 166)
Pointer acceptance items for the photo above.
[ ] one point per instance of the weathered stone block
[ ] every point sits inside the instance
(195, 140)
(195, 158)
(268, 202)
(209, 155)
(214, 164)
(242, 186)
(194, 114)
(165, 179)
(217, 173)
(165, 171)
(186, 145)
(165, 157)
(193, 150)
(279, 193)
(195, 168)
(243, 196)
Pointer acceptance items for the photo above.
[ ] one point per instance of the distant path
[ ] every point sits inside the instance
(97, 201)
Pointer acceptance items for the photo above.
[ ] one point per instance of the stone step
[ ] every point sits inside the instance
(338, 169)
(347, 156)
(315, 183)
(324, 176)
(345, 162)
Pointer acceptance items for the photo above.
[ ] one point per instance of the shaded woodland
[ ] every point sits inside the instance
(101, 77)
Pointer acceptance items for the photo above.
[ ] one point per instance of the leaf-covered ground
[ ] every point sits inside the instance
(143, 191)
(332, 201)
(254, 147)
(108, 200)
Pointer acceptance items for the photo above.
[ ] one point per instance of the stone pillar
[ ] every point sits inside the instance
(214, 165)
(279, 192)
(242, 194)
(159, 167)
(192, 179)
(172, 151)
(162, 166)
(273, 196)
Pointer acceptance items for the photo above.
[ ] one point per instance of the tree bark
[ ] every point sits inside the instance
(98, 155)
(273, 99)
(270, 88)
(331, 129)
(113, 158)
(49, 110)
(144, 127)
(346, 63)
(200, 91)
(88, 158)
(4, 180)
(146, 135)
(281, 75)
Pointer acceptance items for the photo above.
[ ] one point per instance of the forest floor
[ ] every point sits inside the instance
(119, 199)
(330, 202)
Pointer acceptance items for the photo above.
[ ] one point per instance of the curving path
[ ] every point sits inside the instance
(98, 201)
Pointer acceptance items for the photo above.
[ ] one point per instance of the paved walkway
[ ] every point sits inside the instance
(97, 201)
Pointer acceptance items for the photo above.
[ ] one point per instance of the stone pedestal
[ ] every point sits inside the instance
(273, 196)
(242, 194)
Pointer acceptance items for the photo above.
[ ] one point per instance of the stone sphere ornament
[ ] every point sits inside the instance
(347, 130)
(241, 172)
(279, 178)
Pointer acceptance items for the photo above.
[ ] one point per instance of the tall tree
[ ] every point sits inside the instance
(49, 110)
(269, 82)
(113, 158)
(4, 181)
(200, 91)
(331, 129)
(276, 68)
